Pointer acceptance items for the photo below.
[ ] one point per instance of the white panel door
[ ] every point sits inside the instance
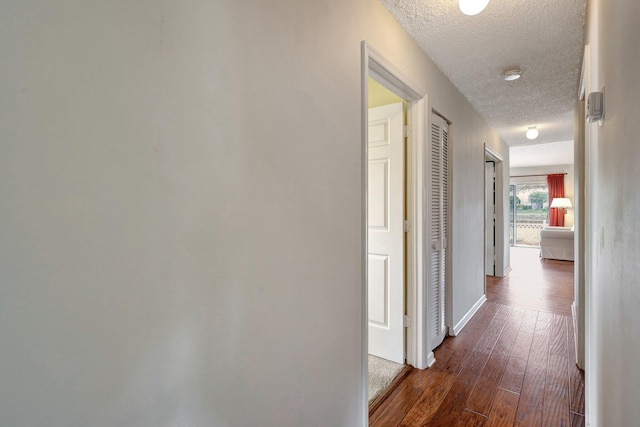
(490, 219)
(385, 275)
(437, 228)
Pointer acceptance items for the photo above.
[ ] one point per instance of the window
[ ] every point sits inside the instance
(528, 213)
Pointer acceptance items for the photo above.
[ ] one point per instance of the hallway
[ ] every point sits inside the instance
(532, 283)
(513, 364)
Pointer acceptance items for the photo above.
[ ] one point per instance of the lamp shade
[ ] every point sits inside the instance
(561, 202)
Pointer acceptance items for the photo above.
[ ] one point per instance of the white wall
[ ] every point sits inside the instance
(613, 294)
(181, 219)
(569, 187)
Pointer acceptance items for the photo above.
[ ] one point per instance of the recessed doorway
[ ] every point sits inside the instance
(392, 176)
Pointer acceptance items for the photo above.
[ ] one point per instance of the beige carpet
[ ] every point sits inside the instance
(381, 374)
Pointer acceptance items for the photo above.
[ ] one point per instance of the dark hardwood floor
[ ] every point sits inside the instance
(512, 365)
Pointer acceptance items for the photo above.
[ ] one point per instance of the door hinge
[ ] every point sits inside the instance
(406, 321)
(406, 225)
(405, 131)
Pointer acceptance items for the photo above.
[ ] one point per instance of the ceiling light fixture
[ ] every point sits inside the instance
(472, 7)
(532, 132)
(511, 75)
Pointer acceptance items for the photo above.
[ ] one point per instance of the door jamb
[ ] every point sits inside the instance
(494, 222)
(374, 65)
(580, 266)
(493, 155)
(591, 316)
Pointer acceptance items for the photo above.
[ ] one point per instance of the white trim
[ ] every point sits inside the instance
(489, 222)
(580, 180)
(384, 72)
(416, 347)
(463, 322)
(582, 87)
(431, 359)
(502, 243)
(500, 269)
(574, 319)
(374, 65)
(493, 154)
(364, 162)
(592, 339)
(448, 285)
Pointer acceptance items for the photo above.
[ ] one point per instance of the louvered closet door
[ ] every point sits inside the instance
(438, 228)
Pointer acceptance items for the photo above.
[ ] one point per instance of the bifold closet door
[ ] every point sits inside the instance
(437, 226)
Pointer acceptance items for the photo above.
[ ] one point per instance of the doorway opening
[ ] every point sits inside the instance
(494, 222)
(392, 265)
(490, 218)
(386, 215)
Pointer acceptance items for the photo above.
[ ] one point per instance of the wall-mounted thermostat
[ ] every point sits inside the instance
(595, 107)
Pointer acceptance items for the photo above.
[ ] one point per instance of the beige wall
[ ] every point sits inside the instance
(181, 227)
(612, 203)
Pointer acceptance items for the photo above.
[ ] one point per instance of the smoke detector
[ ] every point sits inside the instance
(511, 75)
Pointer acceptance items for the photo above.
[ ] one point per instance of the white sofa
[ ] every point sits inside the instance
(556, 243)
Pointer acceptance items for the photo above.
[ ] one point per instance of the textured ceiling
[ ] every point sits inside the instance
(542, 37)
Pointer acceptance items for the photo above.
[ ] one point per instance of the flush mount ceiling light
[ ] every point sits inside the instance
(472, 7)
(532, 132)
(511, 75)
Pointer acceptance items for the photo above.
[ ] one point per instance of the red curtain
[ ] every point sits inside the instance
(556, 189)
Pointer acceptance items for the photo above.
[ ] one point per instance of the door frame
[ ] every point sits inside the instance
(376, 66)
(501, 232)
(580, 166)
(494, 225)
(589, 336)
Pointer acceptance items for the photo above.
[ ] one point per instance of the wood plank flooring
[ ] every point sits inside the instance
(544, 285)
(512, 365)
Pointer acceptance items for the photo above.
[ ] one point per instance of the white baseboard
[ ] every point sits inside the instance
(462, 323)
(431, 359)
(574, 319)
